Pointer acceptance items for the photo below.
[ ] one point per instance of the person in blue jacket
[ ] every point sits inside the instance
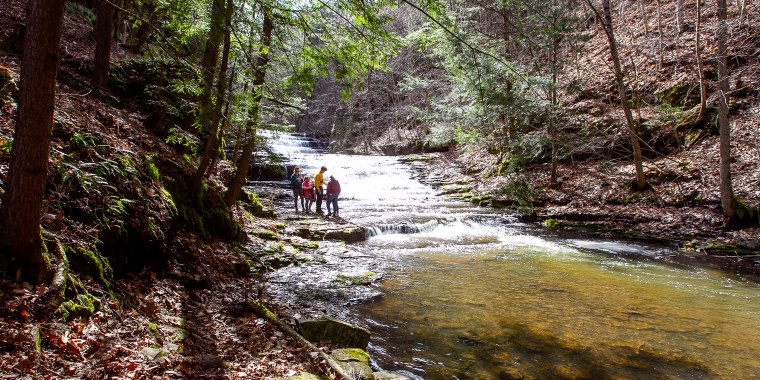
(296, 185)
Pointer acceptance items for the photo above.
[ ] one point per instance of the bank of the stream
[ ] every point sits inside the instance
(591, 201)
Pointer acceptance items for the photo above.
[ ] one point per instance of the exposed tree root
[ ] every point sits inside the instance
(267, 314)
(55, 294)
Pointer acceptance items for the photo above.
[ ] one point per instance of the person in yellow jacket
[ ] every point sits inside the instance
(318, 182)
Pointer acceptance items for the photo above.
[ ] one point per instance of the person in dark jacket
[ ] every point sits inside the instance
(333, 192)
(297, 186)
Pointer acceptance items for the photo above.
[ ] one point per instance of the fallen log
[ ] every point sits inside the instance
(262, 311)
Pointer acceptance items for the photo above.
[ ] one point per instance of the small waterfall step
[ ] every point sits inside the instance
(401, 228)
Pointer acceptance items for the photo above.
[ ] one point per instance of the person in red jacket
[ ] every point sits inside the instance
(307, 193)
(333, 192)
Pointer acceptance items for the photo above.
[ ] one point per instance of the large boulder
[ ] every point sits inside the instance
(338, 332)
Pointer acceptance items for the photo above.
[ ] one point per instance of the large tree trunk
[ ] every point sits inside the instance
(103, 32)
(20, 240)
(241, 175)
(641, 182)
(727, 200)
(213, 132)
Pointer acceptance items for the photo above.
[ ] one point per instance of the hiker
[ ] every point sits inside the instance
(333, 192)
(307, 194)
(296, 185)
(318, 182)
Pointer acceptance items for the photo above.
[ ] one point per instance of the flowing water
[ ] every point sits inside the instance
(477, 295)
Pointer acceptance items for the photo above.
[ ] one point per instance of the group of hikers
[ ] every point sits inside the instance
(308, 192)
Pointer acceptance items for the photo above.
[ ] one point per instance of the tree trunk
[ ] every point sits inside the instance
(659, 35)
(241, 175)
(216, 114)
(20, 240)
(641, 182)
(679, 17)
(553, 99)
(120, 31)
(103, 32)
(700, 70)
(140, 37)
(727, 200)
(218, 149)
(645, 17)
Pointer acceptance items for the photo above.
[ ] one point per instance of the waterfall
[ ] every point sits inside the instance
(400, 228)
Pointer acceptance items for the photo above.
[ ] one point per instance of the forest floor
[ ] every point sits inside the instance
(188, 319)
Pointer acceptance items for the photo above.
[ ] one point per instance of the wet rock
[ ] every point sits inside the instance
(338, 332)
(354, 361)
(385, 375)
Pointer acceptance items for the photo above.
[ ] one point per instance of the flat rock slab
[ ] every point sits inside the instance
(353, 360)
(338, 332)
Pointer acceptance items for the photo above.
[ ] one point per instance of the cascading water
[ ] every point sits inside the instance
(475, 295)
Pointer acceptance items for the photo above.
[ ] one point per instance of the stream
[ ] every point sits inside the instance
(474, 294)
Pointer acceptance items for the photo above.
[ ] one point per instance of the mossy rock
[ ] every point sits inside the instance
(680, 95)
(503, 203)
(353, 360)
(348, 235)
(338, 332)
(265, 234)
(365, 278)
(82, 260)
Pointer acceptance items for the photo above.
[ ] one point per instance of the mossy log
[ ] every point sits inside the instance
(262, 311)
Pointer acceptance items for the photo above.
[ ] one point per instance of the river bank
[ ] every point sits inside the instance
(595, 200)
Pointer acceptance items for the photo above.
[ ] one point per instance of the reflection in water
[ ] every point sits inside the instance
(478, 297)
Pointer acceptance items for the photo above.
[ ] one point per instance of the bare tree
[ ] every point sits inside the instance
(606, 21)
(727, 200)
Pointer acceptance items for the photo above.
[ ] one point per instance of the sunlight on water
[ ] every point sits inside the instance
(559, 312)
(477, 296)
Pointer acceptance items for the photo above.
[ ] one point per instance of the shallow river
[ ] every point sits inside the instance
(477, 295)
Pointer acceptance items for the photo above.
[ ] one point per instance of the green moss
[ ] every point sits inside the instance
(681, 95)
(89, 262)
(180, 335)
(83, 306)
(280, 226)
(476, 200)
(357, 354)
(154, 329)
(365, 278)
(552, 223)
(151, 170)
(265, 234)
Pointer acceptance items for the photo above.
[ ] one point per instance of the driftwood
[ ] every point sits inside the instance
(267, 314)
(55, 294)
